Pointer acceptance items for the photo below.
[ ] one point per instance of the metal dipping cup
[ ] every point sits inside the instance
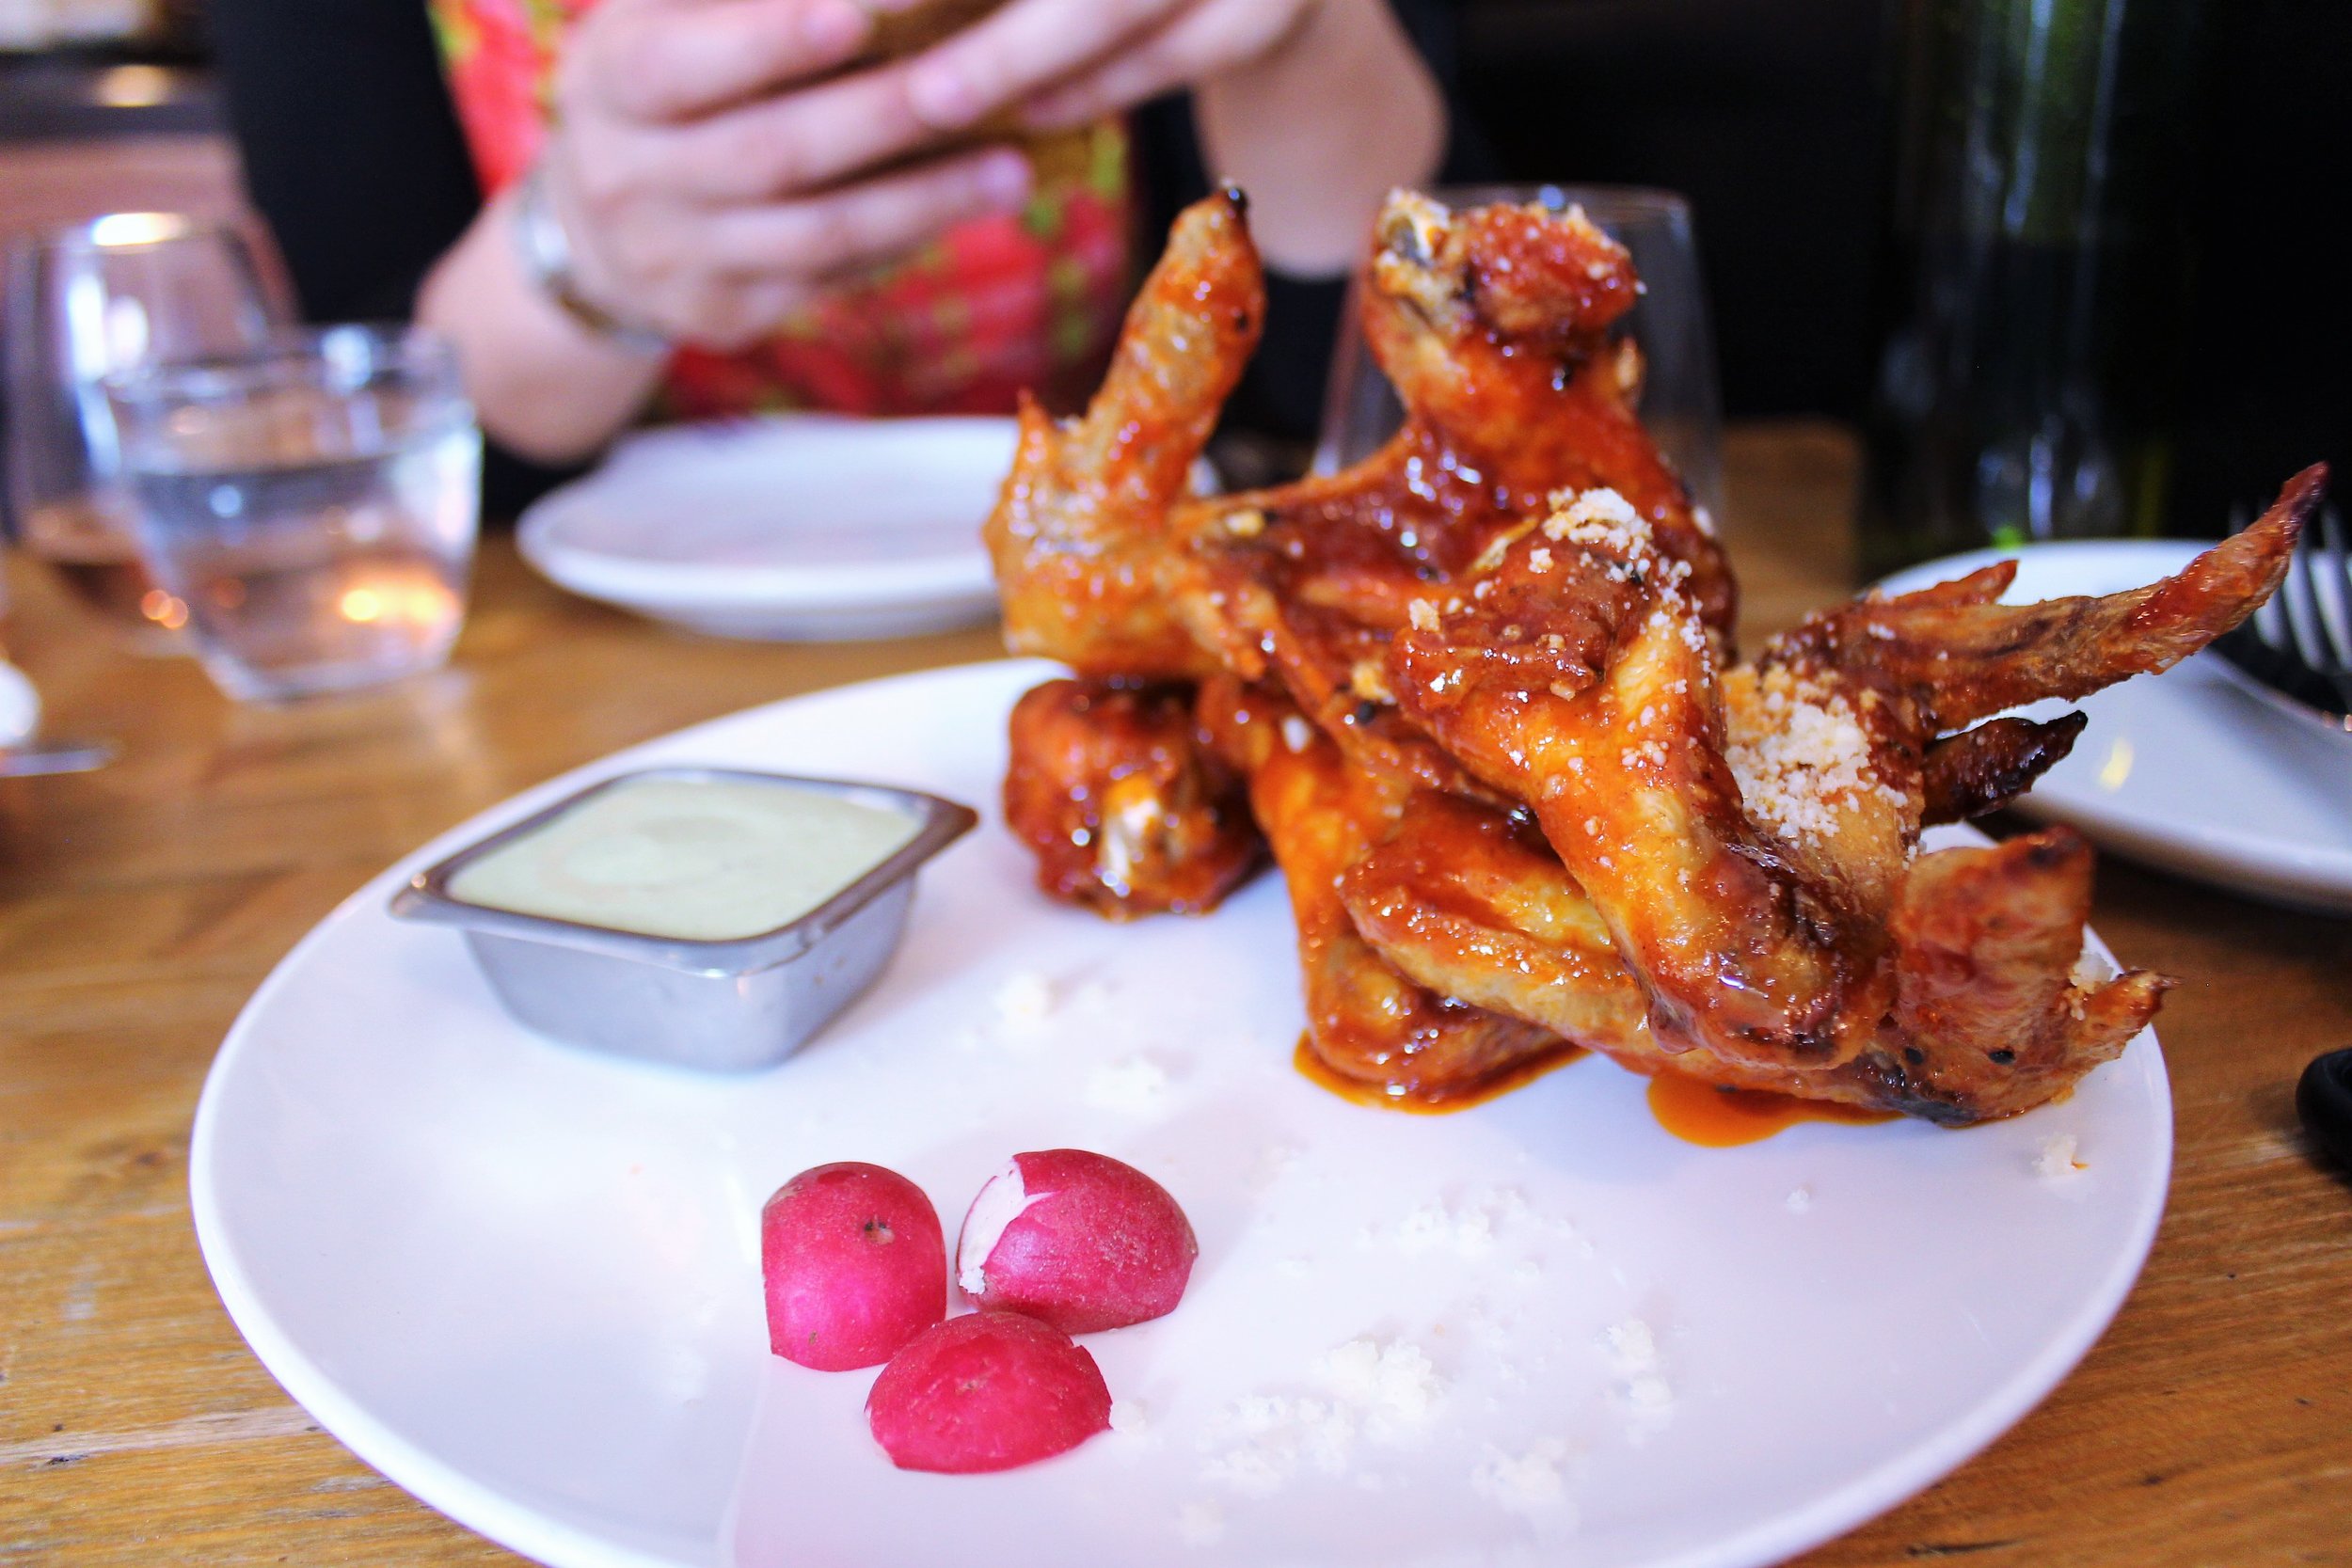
(733, 1005)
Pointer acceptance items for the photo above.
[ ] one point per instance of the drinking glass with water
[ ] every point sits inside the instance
(313, 501)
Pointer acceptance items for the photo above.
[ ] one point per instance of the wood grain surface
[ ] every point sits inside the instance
(140, 906)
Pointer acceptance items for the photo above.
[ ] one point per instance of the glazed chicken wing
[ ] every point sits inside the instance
(1080, 527)
(1470, 902)
(1366, 1023)
(1494, 324)
(1126, 809)
(1750, 840)
(1993, 1014)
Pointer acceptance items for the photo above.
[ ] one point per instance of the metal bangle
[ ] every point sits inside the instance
(546, 251)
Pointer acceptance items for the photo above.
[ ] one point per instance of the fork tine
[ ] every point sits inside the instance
(2269, 623)
(2332, 568)
(2302, 593)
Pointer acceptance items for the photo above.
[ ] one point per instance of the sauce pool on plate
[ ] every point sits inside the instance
(1388, 1098)
(1712, 1118)
(698, 860)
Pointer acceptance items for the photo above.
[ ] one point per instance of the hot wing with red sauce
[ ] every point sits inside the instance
(1127, 809)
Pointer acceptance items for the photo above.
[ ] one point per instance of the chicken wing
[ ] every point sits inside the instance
(1127, 810)
(1366, 1023)
(1079, 528)
(1993, 1014)
(1494, 325)
(1750, 840)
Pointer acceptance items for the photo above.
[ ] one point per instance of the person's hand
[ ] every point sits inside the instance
(710, 187)
(1065, 62)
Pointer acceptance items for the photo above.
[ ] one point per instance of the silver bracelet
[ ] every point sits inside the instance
(545, 252)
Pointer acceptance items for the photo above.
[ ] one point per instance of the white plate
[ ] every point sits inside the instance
(20, 706)
(522, 1281)
(2188, 770)
(809, 528)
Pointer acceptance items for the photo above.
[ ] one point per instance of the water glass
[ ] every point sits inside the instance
(313, 501)
(85, 303)
(1680, 404)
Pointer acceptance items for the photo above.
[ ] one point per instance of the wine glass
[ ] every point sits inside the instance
(83, 303)
(1680, 404)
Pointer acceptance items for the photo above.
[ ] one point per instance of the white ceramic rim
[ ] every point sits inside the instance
(20, 706)
(815, 588)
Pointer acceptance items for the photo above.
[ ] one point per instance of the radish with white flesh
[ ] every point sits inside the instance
(1077, 1240)
(987, 1391)
(854, 1263)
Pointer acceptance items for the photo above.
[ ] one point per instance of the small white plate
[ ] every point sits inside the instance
(523, 1281)
(20, 706)
(2188, 770)
(801, 529)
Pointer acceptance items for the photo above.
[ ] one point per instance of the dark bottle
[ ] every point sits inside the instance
(2033, 273)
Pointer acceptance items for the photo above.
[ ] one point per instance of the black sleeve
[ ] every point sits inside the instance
(352, 150)
(1281, 395)
(353, 153)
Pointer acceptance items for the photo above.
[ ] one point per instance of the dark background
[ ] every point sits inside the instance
(1771, 116)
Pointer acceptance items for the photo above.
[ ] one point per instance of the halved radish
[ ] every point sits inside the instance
(1076, 1240)
(854, 1263)
(988, 1391)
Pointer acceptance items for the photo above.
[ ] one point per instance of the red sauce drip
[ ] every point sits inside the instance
(1700, 1113)
(1401, 1097)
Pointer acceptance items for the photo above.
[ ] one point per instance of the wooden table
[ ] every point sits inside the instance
(140, 906)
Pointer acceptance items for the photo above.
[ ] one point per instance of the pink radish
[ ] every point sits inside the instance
(1076, 1240)
(854, 1266)
(989, 1392)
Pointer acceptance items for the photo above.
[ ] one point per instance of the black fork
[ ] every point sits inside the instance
(2299, 642)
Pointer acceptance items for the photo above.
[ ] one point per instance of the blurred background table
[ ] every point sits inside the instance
(140, 906)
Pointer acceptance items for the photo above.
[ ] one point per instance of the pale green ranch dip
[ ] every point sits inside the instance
(702, 860)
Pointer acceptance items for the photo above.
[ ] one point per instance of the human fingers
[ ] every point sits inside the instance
(1015, 52)
(1203, 39)
(670, 60)
(869, 222)
(792, 142)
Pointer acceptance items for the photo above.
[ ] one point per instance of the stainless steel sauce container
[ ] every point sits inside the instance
(729, 1006)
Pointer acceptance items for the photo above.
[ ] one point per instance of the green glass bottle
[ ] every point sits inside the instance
(2035, 260)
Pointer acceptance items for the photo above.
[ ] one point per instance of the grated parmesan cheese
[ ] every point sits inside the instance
(1801, 756)
(1394, 1385)
(2056, 1161)
(1377, 1391)
(1025, 1001)
(1524, 1483)
(1632, 1351)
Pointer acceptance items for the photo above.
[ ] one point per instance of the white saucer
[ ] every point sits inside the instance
(811, 528)
(2188, 770)
(20, 706)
